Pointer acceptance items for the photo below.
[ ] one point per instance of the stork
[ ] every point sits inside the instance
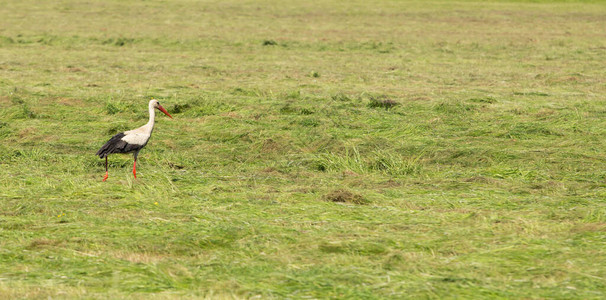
(132, 140)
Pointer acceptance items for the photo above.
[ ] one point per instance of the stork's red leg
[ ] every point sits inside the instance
(135, 163)
(106, 173)
(135, 168)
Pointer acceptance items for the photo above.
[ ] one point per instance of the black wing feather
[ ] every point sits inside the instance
(116, 145)
(132, 147)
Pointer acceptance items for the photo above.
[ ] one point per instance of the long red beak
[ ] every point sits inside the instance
(164, 111)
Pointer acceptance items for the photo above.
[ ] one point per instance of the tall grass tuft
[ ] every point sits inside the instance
(377, 161)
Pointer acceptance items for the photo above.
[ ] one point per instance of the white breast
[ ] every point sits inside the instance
(136, 138)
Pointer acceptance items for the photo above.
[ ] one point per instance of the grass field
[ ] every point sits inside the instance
(336, 149)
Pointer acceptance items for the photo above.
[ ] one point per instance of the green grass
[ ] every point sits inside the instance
(392, 149)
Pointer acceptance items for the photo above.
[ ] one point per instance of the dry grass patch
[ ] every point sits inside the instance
(345, 196)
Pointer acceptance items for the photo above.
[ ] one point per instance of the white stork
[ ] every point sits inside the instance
(132, 140)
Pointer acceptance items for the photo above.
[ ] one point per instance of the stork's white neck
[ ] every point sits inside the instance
(152, 116)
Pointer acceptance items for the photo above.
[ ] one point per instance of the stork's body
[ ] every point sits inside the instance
(132, 141)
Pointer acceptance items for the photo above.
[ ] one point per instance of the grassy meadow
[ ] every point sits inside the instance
(330, 149)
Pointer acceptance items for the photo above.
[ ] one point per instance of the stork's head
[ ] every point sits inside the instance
(155, 104)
